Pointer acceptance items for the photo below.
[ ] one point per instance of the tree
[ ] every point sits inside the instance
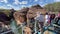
(53, 7)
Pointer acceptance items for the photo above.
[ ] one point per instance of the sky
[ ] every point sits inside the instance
(18, 4)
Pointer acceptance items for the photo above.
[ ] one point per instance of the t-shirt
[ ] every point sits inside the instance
(40, 18)
(46, 17)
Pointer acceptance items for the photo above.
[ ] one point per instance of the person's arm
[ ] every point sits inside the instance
(56, 18)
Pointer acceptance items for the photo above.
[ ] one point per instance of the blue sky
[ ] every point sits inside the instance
(18, 4)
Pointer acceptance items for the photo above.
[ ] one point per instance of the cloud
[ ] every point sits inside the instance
(30, 0)
(41, 2)
(1, 1)
(36, 0)
(1, 7)
(5, 1)
(29, 5)
(9, 5)
(56, 0)
(23, 6)
(16, 2)
(22, 2)
(43, 5)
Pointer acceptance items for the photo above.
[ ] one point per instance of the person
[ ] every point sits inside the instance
(46, 32)
(57, 18)
(52, 16)
(59, 14)
(27, 30)
(47, 19)
(12, 11)
(40, 18)
(13, 26)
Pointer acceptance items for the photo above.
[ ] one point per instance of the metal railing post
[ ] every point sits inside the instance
(35, 27)
(22, 28)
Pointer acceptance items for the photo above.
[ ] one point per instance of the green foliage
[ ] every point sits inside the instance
(53, 7)
(6, 11)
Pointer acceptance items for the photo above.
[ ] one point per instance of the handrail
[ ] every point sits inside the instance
(9, 30)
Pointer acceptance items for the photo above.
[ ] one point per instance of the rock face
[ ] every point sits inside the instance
(20, 16)
(28, 13)
(34, 9)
